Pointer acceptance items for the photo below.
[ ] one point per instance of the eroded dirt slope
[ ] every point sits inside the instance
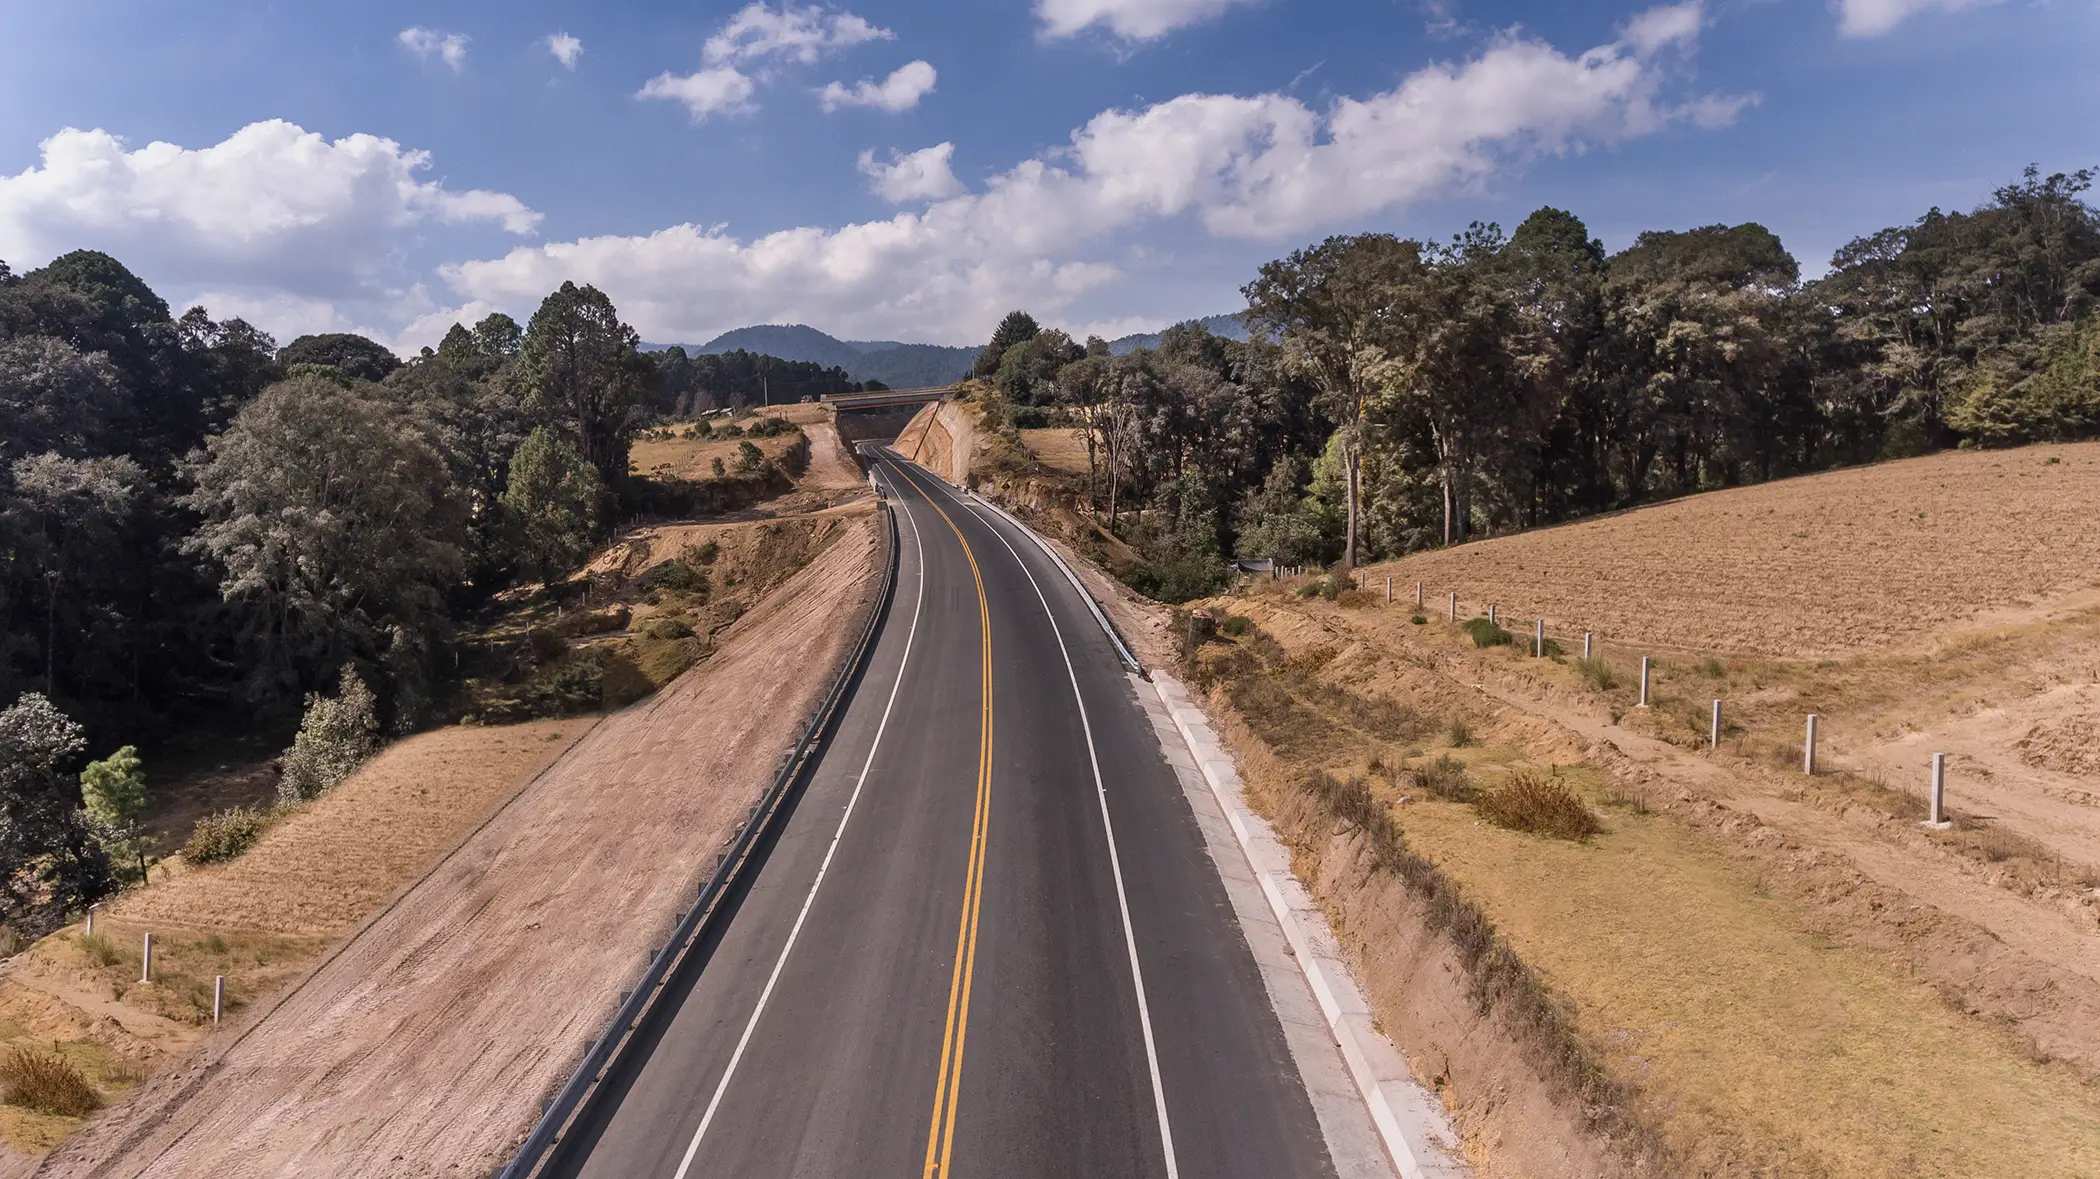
(426, 1045)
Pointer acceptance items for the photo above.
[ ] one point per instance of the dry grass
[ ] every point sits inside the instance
(1760, 1047)
(1540, 805)
(47, 1083)
(684, 456)
(1060, 448)
(1918, 545)
(319, 871)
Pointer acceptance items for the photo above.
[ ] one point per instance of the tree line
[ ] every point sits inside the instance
(1402, 394)
(196, 523)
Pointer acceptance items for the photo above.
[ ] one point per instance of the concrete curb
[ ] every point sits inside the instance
(1411, 1122)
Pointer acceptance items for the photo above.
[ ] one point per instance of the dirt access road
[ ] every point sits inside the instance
(425, 1046)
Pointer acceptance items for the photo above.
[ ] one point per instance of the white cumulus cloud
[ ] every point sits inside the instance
(923, 175)
(1872, 18)
(800, 34)
(712, 91)
(1264, 167)
(565, 48)
(274, 217)
(1135, 20)
(901, 91)
(451, 48)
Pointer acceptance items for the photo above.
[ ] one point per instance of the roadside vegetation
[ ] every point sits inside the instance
(1400, 395)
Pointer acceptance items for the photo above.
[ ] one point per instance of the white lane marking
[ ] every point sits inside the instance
(686, 1164)
(1115, 862)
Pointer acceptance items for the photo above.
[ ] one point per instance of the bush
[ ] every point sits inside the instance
(1542, 806)
(1236, 625)
(98, 949)
(668, 628)
(1458, 734)
(707, 552)
(772, 427)
(46, 1083)
(1597, 672)
(749, 457)
(1485, 633)
(677, 577)
(224, 835)
(547, 644)
(1419, 620)
(336, 736)
(1444, 778)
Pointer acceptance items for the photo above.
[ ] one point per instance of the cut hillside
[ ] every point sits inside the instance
(1756, 970)
(428, 1042)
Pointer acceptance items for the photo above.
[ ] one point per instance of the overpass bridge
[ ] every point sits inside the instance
(889, 398)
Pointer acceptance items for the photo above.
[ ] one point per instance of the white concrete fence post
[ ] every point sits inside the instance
(1491, 616)
(91, 918)
(1418, 595)
(1644, 682)
(218, 996)
(1538, 641)
(1388, 591)
(1587, 638)
(1808, 747)
(146, 961)
(1454, 607)
(1713, 736)
(1937, 816)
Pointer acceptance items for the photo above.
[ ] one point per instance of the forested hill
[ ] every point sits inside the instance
(1230, 327)
(900, 366)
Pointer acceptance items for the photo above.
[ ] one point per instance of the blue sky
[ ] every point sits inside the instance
(911, 170)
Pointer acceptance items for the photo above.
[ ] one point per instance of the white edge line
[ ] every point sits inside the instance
(1397, 1149)
(1115, 864)
(1130, 659)
(743, 1041)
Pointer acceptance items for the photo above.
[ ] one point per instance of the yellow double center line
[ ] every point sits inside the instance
(940, 1135)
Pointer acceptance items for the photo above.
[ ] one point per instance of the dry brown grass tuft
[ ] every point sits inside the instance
(46, 1083)
(1540, 805)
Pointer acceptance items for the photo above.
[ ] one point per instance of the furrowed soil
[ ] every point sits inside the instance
(426, 1044)
(1749, 971)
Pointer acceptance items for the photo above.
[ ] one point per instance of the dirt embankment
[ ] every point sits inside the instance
(427, 1043)
(942, 437)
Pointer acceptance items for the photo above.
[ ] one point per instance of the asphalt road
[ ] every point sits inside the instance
(988, 940)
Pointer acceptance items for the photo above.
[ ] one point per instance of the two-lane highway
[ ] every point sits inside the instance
(989, 940)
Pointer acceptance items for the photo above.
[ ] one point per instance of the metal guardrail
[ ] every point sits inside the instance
(606, 1055)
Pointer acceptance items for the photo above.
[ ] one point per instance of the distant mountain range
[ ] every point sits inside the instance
(896, 364)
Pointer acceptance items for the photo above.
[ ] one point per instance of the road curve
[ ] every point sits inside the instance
(987, 941)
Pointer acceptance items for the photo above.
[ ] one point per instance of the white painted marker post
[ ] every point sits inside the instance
(1713, 737)
(146, 961)
(1491, 616)
(1586, 643)
(1418, 595)
(1454, 607)
(218, 996)
(1538, 641)
(1644, 682)
(1388, 591)
(1808, 747)
(1937, 818)
(91, 919)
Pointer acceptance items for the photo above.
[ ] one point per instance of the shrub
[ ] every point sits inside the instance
(1542, 806)
(98, 948)
(677, 577)
(1485, 633)
(1711, 668)
(1418, 620)
(1444, 778)
(707, 552)
(224, 835)
(668, 628)
(1597, 673)
(772, 427)
(336, 736)
(720, 471)
(46, 1083)
(1458, 734)
(547, 644)
(749, 457)
(1236, 625)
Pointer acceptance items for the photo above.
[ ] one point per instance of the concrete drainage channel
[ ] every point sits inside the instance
(607, 1055)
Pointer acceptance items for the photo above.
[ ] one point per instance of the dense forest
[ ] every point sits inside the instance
(689, 385)
(199, 528)
(1400, 394)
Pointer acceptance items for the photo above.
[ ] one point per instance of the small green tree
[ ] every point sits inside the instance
(335, 737)
(114, 790)
(749, 457)
(553, 500)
